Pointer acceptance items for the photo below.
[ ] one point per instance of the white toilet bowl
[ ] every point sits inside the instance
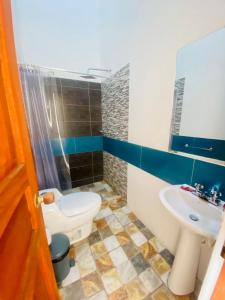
(71, 214)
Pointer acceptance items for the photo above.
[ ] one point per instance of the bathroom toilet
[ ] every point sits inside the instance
(71, 214)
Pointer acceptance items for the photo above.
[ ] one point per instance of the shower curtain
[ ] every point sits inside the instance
(40, 98)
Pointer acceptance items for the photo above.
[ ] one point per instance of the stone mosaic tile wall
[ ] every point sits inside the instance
(115, 104)
(115, 111)
(177, 106)
(115, 173)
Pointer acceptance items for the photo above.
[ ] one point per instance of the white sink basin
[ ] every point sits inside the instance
(196, 214)
(198, 219)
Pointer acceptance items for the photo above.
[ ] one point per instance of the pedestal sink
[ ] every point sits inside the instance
(199, 220)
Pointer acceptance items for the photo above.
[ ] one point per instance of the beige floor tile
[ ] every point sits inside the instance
(111, 281)
(111, 243)
(123, 238)
(104, 204)
(94, 237)
(122, 217)
(147, 250)
(98, 249)
(114, 201)
(150, 280)
(159, 264)
(86, 265)
(186, 297)
(139, 263)
(136, 290)
(101, 223)
(164, 277)
(104, 263)
(71, 290)
(126, 271)
(156, 244)
(99, 296)
(138, 238)
(91, 284)
(132, 217)
(118, 256)
(162, 294)
(126, 209)
(130, 249)
(82, 250)
(106, 212)
(114, 224)
(73, 276)
(120, 294)
(105, 232)
(94, 227)
(131, 229)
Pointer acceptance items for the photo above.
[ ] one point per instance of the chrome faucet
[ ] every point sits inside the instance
(212, 196)
(199, 190)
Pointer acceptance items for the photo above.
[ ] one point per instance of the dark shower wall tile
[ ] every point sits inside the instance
(86, 167)
(80, 159)
(79, 105)
(95, 97)
(95, 85)
(77, 129)
(97, 157)
(63, 172)
(96, 114)
(76, 113)
(75, 96)
(97, 169)
(96, 128)
(55, 132)
(74, 83)
(98, 178)
(82, 172)
(85, 181)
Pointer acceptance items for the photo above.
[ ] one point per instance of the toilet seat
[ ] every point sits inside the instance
(78, 203)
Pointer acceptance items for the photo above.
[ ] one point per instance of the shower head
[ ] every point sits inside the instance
(88, 76)
(99, 70)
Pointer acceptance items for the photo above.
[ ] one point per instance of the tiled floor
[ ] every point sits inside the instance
(120, 260)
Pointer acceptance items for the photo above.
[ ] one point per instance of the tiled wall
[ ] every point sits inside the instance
(115, 172)
(172, 168)
(115, 110)
(177, 105)
(86, 168)
(79, 119)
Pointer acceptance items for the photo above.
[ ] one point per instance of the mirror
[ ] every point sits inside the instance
(198, 121)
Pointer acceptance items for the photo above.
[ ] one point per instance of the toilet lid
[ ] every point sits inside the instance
(78, 203)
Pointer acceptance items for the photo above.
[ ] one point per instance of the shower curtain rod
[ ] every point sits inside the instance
(62, 70)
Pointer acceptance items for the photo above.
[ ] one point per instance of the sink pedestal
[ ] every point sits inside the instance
(183, 274)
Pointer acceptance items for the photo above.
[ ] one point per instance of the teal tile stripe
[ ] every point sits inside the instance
(172, 168)
(73, 145)
(198, 146)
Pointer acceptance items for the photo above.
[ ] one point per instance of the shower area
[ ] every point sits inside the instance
(69, 114)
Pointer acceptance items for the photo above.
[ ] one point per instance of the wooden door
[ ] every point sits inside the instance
(213, 286)
(25, 265)
(219, 291)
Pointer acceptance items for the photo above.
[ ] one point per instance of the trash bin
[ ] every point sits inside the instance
(59, 248)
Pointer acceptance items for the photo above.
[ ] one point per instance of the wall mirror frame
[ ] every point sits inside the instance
(198, 118)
